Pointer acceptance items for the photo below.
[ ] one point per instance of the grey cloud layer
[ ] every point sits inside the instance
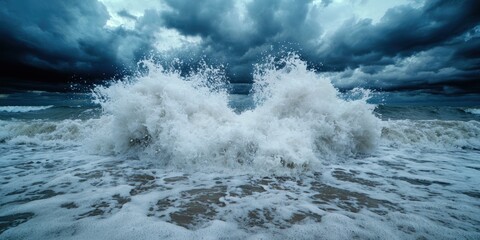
(434, 46)
(431, 47)
(62, 35)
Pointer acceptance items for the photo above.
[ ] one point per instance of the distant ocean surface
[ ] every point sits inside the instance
(165, 156)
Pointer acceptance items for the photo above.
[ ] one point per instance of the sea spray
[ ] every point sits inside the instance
(332, 126)
(299, 120)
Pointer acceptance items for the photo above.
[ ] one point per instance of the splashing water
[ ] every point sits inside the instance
(299, 119)
(305, 163)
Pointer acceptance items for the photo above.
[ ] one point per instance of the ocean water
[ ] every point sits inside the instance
(163, 155)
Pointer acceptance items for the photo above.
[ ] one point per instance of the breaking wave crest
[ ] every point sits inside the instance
(23, 109)
(44, 132)
(475, 111)
(299, 119)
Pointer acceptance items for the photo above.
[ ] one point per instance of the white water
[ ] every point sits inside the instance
(168, 159)
(23, 109)
(473, 111)
(299, 120)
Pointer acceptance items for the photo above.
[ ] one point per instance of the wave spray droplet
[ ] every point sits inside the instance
(299, 120)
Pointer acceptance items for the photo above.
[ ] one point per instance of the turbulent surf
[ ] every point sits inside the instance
(169, 154)
(299, 119)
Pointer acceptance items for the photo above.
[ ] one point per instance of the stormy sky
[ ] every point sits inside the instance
(388, 45)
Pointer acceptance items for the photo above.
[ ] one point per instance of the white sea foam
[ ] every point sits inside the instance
(299, 119)
(64, 194)
(475, 111)
(44, 132)
(432, 133)
(23, 109)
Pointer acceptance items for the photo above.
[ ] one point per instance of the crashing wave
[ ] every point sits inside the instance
(299, 119)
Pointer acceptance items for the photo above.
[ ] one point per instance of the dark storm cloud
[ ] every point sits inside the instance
(239, 33)
(56, 41)
(437, 69)
(60, 35)
(402, 31)
(408, 47)
(432, 46)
